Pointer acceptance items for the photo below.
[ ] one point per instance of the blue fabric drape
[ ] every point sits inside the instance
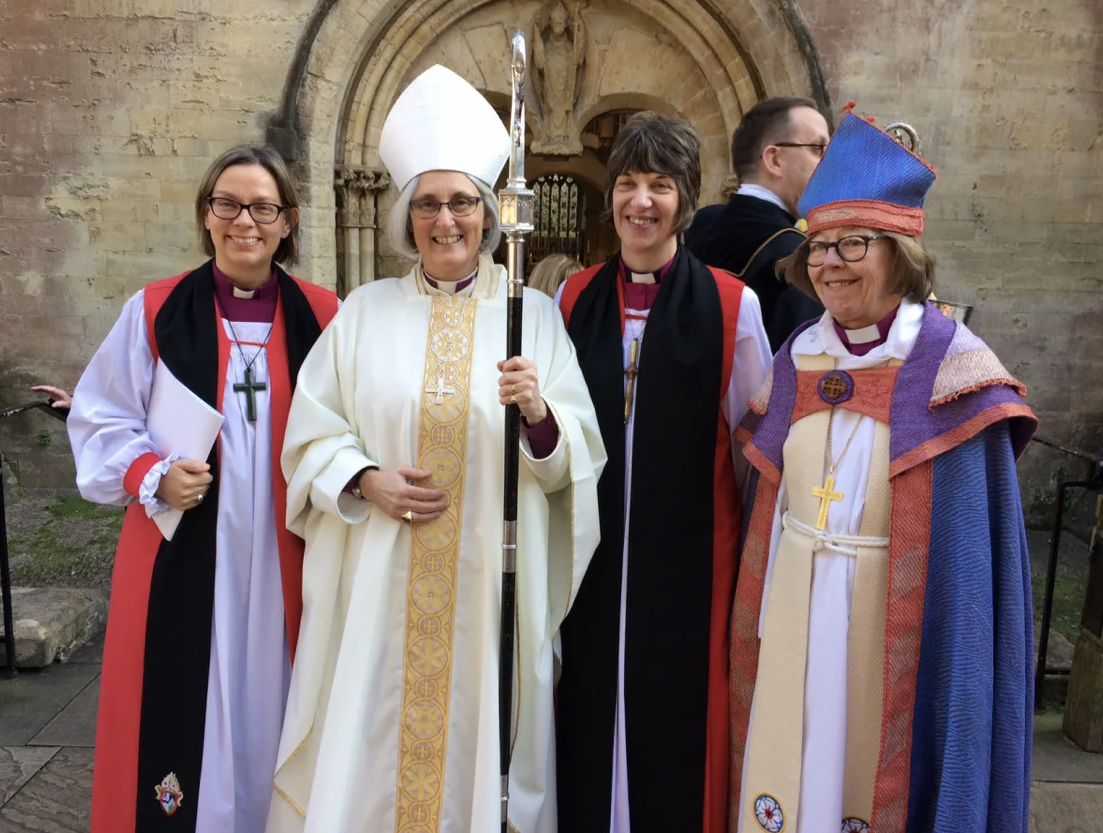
(973, 721)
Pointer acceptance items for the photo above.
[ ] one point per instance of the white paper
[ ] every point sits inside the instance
(180, 423)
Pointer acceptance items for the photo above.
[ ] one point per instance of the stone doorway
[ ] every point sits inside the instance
(592, 62)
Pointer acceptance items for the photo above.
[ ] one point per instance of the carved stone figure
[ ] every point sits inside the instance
(559, 58)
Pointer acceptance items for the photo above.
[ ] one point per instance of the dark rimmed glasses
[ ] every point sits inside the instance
(817, 148)
(461, 205)
(264, 213)
(851, 248)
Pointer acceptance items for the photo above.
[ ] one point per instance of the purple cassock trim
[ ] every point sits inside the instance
(543, 436)
(260, 309)
(913, 420)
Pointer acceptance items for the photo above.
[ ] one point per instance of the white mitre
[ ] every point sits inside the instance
(442, 123)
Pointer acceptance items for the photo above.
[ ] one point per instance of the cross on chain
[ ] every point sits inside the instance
(441, 388)
(630, 373)
(250, 388)
(826, 496)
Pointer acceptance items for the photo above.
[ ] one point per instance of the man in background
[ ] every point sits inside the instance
(776, 147)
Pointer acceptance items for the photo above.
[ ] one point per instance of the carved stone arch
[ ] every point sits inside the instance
(357, 55)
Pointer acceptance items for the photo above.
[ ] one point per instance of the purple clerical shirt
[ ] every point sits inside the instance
(883, 327)
(258, 309)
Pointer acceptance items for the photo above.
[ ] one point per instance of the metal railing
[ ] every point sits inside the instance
(5, 565)
(1092, 482)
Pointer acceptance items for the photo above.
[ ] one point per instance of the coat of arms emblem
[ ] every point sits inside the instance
(169, 794)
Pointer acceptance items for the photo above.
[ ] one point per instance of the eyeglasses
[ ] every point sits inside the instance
(851, 248)
(817, 148)
(264, 213)
(460, 205)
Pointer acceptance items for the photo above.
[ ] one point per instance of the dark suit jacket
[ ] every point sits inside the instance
(730, 241)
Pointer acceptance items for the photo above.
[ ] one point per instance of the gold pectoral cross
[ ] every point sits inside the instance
(826, 495)
(631, 372)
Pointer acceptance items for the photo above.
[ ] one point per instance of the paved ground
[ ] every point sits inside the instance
(47, 734)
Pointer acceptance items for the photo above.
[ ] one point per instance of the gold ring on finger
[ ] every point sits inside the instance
(407, 518)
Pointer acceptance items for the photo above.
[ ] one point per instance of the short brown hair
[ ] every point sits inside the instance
(764, 124)
(653, 144)
(913, 264)
(288, 249)
(552, 271)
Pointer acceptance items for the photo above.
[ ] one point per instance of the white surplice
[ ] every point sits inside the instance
(250, 668)
(359, 402)
(824, 747)
(749, 369)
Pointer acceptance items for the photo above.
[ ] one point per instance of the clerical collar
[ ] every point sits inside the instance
(749, 189)
(641, 288)
(451, 287)
(256, 305)
(861, 341)
(630, 275)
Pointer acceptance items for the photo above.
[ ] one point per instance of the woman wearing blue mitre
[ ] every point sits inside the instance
(881, 636)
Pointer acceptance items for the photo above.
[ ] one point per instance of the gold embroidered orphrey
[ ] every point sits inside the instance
(434, 553)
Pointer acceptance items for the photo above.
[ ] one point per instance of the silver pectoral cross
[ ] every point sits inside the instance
(441, 389)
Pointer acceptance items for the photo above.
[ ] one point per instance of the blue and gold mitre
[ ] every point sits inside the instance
(866, 178)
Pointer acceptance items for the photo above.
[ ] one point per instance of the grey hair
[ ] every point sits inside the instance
(400, 231)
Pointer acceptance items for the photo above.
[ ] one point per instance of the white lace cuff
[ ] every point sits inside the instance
(147, 492)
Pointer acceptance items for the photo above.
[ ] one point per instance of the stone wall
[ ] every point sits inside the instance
(1008, 97)
(110, 110)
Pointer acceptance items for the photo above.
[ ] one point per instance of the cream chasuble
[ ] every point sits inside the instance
(392, 720)
(814, 734)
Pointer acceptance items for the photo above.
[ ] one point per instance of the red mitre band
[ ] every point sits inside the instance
(874, 214)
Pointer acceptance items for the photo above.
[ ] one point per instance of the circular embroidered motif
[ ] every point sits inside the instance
(835, 387)
(855, 825)
(768, 812)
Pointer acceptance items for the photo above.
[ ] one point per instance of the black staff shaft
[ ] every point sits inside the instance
(516, 257)
(515, 204)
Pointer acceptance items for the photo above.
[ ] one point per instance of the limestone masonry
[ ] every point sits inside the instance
(110, 111)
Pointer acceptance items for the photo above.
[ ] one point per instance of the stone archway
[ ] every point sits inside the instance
(706, 61)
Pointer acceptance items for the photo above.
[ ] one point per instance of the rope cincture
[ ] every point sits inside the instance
(834, 542)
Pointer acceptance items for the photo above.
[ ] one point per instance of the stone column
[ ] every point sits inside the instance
(357, 189)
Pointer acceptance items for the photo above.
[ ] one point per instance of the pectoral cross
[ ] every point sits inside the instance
(631, 372)
(250, 388)
(826, 495)
(441, 389)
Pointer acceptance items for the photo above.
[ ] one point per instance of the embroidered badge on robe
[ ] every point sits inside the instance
(169, 794)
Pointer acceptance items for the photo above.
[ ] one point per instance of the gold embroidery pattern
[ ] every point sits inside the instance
(431, 588)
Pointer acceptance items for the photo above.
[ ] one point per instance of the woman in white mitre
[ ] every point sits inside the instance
(394, 462)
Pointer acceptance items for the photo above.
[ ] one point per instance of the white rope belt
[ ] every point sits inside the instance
(842, 544)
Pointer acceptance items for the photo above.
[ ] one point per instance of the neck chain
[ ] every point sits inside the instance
(247, 386)
(827, 493)
(831, 420)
